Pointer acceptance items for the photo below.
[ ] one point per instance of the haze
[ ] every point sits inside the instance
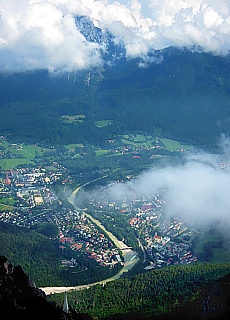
(197, 190)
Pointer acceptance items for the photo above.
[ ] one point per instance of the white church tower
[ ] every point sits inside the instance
(65, 304)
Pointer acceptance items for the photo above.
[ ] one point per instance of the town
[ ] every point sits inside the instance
(166, 240)
(34, 203)
(28, 198)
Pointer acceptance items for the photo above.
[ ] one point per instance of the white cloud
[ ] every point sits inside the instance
(36, 34)
(197, 190)
(42, 33)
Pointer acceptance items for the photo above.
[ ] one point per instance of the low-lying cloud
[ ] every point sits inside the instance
(37, 34)
(197, 190)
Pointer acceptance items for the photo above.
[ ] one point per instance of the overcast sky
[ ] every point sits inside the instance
(42, 33)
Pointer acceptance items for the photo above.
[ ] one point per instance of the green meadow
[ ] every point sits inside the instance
(14, 155)
(173, 145)
(103, 123)
(101, 152)
(6, 204)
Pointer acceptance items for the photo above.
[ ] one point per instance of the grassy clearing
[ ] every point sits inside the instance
(101, 152)
(207, 239)
(19, 154)
(78, 118)
(103, 123)
(139, 138)
(126, 141)
(4, 207)
(173, 145)
(150, 143)
(7, 201)
(7, 204)
(7, 164)
(115, 154)
(219, 253)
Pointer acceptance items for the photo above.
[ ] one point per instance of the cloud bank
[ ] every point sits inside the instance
(38, 34)
(197, 190)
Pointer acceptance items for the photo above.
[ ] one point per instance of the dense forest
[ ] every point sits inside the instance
(155, 292)
(170, 98)
(41, 258)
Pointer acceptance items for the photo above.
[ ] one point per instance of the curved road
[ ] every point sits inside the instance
(130, 256)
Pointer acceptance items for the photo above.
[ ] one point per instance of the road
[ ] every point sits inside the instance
(130, 256)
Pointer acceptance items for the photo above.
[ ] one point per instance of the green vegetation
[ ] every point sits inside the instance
(145, 294)
(212, 246)
(47, 229)
(73, 119)
(17, 154)
(101, 152)
(5, 207)
(172, 145)
(103, 123)
(74, 145)
(7, 201)
(167, 99)
(41, 258)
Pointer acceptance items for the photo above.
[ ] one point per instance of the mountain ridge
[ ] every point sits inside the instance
(184, 97)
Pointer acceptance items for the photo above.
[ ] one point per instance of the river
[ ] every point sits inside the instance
(130, 256)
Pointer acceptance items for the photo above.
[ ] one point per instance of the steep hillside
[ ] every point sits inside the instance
(37, 254)
(20, 299)
(147, 295)
(181, 94)
(41, 258)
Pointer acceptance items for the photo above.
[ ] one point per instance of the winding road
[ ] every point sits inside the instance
(130, 256)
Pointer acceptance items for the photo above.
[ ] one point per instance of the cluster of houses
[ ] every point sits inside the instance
(168, 243)
(85, 238)
(31, 186)
(76, 232)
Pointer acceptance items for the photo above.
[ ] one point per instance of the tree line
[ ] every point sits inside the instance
(146, 294)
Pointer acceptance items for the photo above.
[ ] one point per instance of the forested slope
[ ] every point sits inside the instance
(184, 95)
(146, 294)
(41, 258)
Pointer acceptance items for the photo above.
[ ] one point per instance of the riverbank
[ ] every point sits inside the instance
(130, 256)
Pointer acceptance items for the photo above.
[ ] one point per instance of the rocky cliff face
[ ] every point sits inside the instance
(20, 299)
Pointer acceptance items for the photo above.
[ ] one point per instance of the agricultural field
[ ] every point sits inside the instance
(6, 204)
(103, 123)
(101, 152)
(172, 145)
(14, 154)
(138, 140)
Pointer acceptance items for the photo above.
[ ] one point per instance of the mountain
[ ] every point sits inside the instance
(20, 299)
(184, 95)
(178, 93)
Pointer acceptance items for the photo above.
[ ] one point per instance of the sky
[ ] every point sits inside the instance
(37, 34)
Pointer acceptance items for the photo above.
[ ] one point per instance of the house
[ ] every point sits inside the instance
(157, 238)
